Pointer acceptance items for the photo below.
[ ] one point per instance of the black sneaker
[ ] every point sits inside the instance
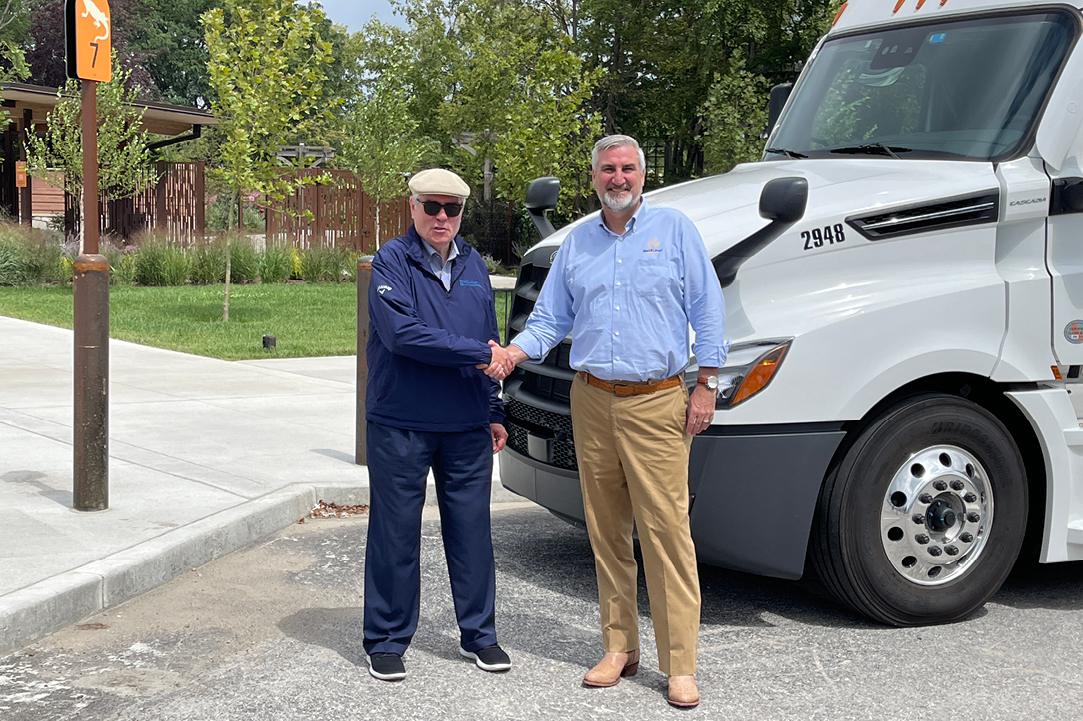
(490, 658)
(387, 666)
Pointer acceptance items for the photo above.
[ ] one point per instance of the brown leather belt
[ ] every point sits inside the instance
(631, 388)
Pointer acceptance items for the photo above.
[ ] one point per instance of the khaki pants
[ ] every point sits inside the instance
(633, 465)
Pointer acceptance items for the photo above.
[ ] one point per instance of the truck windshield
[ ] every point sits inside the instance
(969, 88)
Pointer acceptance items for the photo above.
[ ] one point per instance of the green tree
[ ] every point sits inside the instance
(174, 39)
(124, 167)
(548, 131)
(267, 66)
(14, 19)
(734, 116)
(382, 144)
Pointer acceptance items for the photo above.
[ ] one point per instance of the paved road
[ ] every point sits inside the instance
(273, 632)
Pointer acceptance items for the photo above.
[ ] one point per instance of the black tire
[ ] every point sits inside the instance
(853, 532)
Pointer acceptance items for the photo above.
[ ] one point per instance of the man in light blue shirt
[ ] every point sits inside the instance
(626, 287)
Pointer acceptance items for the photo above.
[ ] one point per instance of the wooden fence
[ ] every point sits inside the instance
(335, 212)
(174, 207)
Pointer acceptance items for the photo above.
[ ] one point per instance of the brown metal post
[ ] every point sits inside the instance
(201, 201)
(90, 167)
(26, 211)
(91, 441)
(160, 221)
(364, 278)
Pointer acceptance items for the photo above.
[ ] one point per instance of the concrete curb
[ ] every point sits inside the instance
(66, 598)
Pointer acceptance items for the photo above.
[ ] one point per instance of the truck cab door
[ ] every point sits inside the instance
(1060, 145)
(1064, 259)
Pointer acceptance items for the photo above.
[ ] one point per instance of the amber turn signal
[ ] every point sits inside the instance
(760, 373)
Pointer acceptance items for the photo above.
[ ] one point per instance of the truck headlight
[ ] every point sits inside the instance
(749, 369)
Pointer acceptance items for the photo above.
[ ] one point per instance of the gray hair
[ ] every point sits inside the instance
(614, 141)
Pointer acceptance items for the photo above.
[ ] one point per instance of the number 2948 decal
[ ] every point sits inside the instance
(817, 237)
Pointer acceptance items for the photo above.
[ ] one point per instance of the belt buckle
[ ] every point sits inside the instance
(623, 390)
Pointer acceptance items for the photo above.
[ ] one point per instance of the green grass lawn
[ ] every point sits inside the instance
(307, 319)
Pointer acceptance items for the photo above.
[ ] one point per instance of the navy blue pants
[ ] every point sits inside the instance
(398, 463)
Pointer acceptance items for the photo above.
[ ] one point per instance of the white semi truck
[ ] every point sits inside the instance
(903, 274)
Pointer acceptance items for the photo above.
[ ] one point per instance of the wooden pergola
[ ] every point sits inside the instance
(29, 107)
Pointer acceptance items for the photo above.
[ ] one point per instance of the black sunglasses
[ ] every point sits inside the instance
(433, 208)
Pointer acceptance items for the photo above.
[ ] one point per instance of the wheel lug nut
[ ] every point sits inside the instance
(957, 485)
(921, 538)
(934, 550)
(925, 498)
(918, 518)
(951, 551)
(970, 498)
(940, 486)
(966, 537)
(973, 517)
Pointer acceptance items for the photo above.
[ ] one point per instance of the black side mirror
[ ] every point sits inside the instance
(541, 196)
(775, 102)
(782, 201)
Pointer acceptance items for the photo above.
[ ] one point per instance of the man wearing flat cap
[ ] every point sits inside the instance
(432, 401)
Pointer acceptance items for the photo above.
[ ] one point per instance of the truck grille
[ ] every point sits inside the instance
(554, 430)
(523, 420)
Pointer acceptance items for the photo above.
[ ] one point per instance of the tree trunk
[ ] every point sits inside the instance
(377, 225)
(225, 295)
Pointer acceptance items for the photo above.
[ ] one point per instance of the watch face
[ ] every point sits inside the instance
(710, 381)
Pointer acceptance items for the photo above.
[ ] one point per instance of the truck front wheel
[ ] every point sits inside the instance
(922, 519)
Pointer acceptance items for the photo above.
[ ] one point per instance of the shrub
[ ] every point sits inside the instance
(29, 257)
(208, 261)
(158, 262)
(244, 261)
(321, 264)
(295, 263)
(217, 214)
(121, 263)
(277, 264)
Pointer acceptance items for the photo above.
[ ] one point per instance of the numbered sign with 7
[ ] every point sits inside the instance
(89, 39)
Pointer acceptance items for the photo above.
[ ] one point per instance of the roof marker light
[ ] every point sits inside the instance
(920, 3)
(943, 3)
(897, 6)
(839, 13)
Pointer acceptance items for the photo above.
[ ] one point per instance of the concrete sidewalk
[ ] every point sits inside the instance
(205, 457)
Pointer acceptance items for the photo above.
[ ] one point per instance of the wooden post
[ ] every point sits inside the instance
(26, 211)
(200, 201)
(90, 167)
(160, 221)
(364, 277)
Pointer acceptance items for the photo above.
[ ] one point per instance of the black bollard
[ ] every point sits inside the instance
(364, 277)
(91, 441)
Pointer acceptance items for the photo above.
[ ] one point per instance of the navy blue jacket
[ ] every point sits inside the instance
(424, 341)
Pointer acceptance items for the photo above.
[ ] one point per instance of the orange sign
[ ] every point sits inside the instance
(20, 174)
(92, 28)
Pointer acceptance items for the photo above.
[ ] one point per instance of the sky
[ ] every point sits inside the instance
(355, 13)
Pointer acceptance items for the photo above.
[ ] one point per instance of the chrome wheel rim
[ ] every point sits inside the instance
(936, 515)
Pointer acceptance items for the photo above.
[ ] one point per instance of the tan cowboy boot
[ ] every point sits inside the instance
(611, 668)
(682, 692)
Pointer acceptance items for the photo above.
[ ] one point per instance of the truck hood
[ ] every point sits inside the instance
(725, 207)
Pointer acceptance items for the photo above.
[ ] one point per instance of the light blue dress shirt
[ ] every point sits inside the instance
(628, 299)
(441, 268)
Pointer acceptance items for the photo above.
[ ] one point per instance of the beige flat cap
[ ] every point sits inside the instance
(437, 181)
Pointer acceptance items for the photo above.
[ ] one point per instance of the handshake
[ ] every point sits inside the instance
(503, 360)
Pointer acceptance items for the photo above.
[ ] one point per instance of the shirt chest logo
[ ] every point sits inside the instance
(653, 246)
